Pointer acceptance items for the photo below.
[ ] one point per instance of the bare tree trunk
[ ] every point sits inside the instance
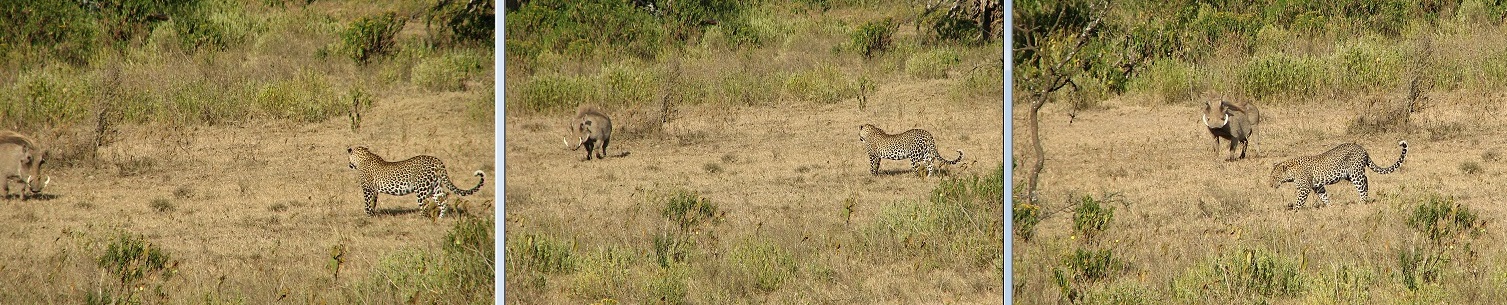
(1038, 155)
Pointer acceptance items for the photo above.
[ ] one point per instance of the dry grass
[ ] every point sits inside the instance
(1188, 222)
(231, 163)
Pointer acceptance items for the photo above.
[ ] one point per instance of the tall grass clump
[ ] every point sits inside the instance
(1248, 275)
(958, 226)
(1367, 65)
(932, 64)
(823, 84)
(555, 92)
(1174, 81)
(687, 215)
(448, 72)
(1282, 75)
(761, 265)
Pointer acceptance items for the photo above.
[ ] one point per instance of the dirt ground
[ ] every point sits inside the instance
(248, 211)
(1182, 204)
(778, 170)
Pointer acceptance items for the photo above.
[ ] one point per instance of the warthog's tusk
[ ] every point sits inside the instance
(49, 180)
(1206, 120)
(1226, 118)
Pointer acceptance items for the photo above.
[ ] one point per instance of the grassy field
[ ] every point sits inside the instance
(1136, 207)
(746, 182)
(198, 152)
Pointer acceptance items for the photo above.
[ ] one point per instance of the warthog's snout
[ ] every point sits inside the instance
(37, 188)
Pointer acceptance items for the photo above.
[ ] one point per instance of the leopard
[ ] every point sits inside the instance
(916, 144)
(1347, 161)
(424, 175)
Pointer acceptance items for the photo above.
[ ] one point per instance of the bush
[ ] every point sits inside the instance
(1444, 222)
(461, 22)
(1092, 216)
(874, 37)
(371, 36)
(575, 28)
(687, 210)
(133, 261)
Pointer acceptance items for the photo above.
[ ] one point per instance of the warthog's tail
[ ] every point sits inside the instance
(1395, 166)
(473, 190)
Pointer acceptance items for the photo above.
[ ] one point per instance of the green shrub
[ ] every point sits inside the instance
(134, 263)
(44, 30)
(371, 36)
(932, 64)
(461, 22)
(688, 210)
(469, 254)
(873, 37)
(1366, 65)
(1025, 216)
(1444, 222)
(575, 28)
(1092, 216)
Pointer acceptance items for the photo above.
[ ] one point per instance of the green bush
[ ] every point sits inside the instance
(575, 28)
(688, 210)
(1444, 222)
(1367, 65)
(873, 37)
(371, 36)
(1092, 216)
(469, 254)
(134, 263)
(462, 22)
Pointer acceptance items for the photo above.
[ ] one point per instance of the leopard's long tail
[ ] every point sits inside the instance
(1395, 166)
(473, 190)
(953, 161)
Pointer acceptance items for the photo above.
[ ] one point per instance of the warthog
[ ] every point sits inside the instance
(21, 160)
(593, 128)
(1232, 121)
